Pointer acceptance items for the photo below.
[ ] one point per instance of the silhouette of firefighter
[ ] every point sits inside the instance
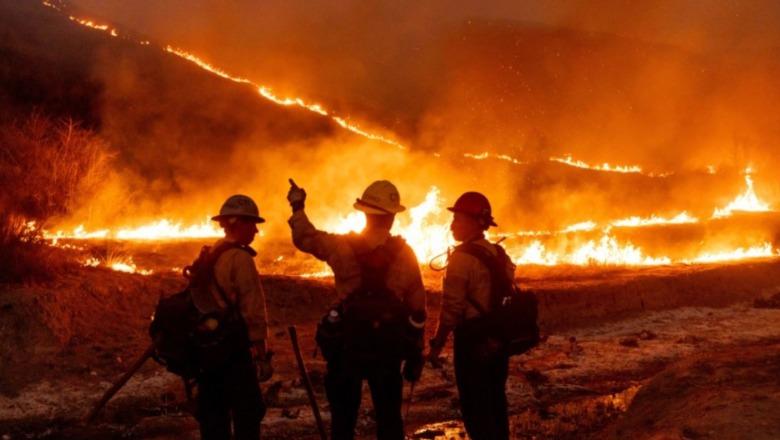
(233, 357)
(490, 318)
(377, 324)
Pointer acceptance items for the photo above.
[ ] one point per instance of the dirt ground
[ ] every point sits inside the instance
(651, 373)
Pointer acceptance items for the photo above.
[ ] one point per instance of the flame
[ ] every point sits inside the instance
(51, 5)
(325, 273)
(580, 227)
(605, 251)
(761, 251)
(747, 201)
(425, 228)
(159, 230)
(626, 169)
(608, 251)
(535, 253)
(119, 264)
(634, 222)
(486, 155)
(267, 93)
(91, 24)
(262, 90)
(568, 160)
(428, 233)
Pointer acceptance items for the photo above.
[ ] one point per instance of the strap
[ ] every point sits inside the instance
(490, 263)
(212, 264)
(372, 276)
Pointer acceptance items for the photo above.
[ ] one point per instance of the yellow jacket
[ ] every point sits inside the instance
(403, 275)
(236, 273)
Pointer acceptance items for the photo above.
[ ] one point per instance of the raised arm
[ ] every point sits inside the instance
(305, 236)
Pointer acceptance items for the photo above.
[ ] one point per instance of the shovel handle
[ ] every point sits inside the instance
(119, 384)
(307, 382)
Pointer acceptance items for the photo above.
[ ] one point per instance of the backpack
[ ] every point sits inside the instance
(513, 314)
(188, 342)
(371, 325)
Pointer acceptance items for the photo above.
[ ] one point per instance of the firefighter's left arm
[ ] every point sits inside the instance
(250, 297)
(454, 292)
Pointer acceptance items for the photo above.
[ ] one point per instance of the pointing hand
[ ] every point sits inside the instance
(296, 196)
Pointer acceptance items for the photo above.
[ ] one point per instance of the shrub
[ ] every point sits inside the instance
(46, 168)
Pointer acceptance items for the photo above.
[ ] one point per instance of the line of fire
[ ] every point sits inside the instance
(227, 168)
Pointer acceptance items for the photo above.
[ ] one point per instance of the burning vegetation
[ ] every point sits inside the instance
(590, 241)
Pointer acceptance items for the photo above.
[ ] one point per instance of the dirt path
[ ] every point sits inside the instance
(580, 386)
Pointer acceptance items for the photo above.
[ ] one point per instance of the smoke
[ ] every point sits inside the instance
(613, 81)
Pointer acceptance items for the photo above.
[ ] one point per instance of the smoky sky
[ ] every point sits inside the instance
(687, 23)
(606, 80)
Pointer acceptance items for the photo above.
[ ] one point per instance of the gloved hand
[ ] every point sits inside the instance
(413, 368)
(265, 368)
(296, 196)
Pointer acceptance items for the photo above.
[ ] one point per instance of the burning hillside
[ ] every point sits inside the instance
(552, 192)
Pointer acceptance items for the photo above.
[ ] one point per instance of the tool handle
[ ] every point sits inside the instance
(305, 378)
(119, 384)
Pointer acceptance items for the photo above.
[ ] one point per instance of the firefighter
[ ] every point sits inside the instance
(481, 363)
(230, 394)
(379, 318)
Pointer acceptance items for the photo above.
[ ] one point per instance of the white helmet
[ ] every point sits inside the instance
(239, 205)
(381, 197)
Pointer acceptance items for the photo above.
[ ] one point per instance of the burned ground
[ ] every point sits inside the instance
(64, 342)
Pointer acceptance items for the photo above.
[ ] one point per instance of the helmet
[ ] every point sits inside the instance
(381, 197)
(239, 205)
(476, 205)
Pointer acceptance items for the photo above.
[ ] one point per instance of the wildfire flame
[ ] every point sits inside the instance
(580, 227)
(118, 264)
(486, 155)
(568, 160)
(606, 167)
(159, 230)
(427, 229)
(605, 251)
(747, 201)
(761, 251)
(93, 25)
(267, 93)
(262, 90)
(633, 222)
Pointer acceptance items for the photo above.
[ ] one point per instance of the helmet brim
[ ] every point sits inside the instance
(368, 208)
(257, 219)
(491, 222)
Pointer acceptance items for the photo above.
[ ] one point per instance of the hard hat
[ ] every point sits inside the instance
(381, 197)
(239, 205)
(476, 205)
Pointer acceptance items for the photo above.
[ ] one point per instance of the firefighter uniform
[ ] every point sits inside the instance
(233, 392)
(343, 382)
(481, 366)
